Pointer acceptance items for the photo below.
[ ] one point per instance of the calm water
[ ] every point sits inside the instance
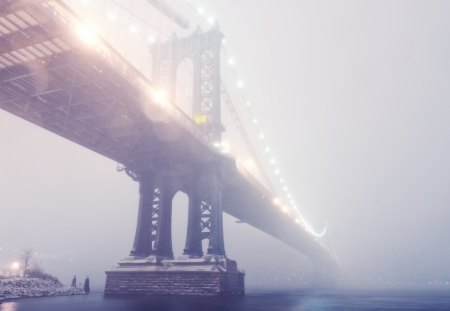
(412, 300)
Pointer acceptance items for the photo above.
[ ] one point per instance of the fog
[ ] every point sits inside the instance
(354, 98)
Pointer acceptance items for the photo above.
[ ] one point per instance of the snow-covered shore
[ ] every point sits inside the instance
(12, 288)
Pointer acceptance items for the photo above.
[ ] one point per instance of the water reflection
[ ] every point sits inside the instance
(280, 301)
(8, 306)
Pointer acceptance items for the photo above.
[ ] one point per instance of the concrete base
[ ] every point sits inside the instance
(205, 276)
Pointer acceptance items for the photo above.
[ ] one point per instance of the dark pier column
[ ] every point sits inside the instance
(205, 219)
(163, 242)
(216, 242)
(153, 230)
(142, 245)
(193, 237)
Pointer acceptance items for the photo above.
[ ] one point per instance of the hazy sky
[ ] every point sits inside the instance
(354, 97)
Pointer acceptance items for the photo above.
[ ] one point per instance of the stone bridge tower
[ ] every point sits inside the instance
(151, 268)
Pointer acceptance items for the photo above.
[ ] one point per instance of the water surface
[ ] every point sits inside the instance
(311, 300)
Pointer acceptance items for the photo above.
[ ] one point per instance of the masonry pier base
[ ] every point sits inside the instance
(151, 276)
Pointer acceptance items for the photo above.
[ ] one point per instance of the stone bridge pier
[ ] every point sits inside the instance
(151, 268)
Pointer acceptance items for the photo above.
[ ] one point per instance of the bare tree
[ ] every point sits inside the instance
(26, 257)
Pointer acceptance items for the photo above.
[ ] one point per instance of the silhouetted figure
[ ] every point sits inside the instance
(86, 285)
(74, 282)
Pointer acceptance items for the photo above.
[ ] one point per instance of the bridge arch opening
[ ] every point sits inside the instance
(185, 86)
(180, 208)
(205, 244)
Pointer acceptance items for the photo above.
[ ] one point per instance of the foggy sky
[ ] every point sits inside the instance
(354, 97)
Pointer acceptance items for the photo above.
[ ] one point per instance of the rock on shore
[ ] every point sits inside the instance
(32, 287)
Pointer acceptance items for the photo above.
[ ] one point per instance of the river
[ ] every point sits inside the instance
(317, 300)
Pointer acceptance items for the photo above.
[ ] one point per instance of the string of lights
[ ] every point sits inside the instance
(285, 202)
(291, 203)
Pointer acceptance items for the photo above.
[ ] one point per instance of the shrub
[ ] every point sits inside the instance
(36, 272)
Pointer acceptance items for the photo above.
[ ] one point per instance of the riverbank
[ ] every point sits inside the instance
(14, 288)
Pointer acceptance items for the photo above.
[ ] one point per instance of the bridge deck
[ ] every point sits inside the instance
(92, 96)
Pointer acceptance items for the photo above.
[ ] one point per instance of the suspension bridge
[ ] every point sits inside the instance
(61, 73)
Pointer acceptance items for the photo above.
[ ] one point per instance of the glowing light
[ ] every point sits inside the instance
(267, 150)
(217, 144)
(272, 161)
(255, 121)
(201, 11)
(249, 164)
(15, 265)
(211, 20)
(159, 96)
(111, 16)
(133, 29)
(285, 210)
(240, 84)
(261, 136)
(225, 147)
(224, 41)
(248, 104)
(297, 220)
(151, 39)
(86, 34)
(276, 201)
(320, 234)
(285, 189)
(231, 62)
(277, 172)
(281, 180)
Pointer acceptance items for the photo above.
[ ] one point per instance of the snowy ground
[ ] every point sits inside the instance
(30, 287)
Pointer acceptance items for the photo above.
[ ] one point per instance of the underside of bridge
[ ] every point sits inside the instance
(95, 98)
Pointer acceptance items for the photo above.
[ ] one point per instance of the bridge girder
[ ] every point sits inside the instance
(93, 97)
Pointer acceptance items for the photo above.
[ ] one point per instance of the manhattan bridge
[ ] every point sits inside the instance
(147, 88)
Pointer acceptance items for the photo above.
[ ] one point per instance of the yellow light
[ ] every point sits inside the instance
(276, 201)
(15, 265)
(86, 34)
(201, 119)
